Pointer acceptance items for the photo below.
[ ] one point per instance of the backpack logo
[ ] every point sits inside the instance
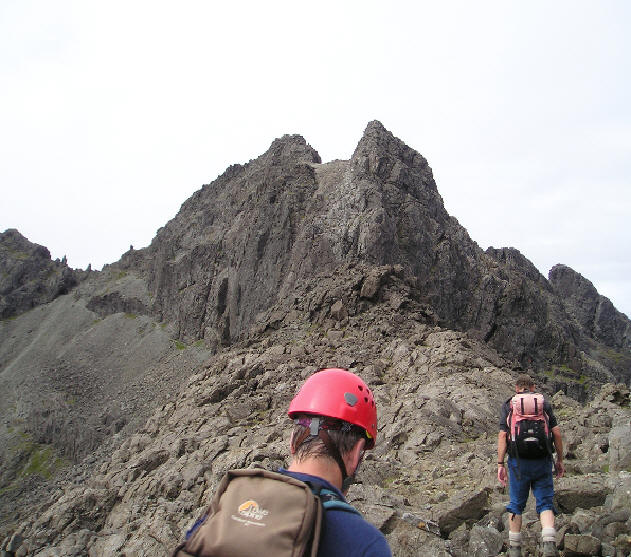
(250, 510)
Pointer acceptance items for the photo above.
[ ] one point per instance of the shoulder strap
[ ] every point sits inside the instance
(331, 501)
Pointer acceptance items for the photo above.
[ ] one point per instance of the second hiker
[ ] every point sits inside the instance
(528, 432)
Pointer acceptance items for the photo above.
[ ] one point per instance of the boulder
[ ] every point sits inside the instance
(620, 487)
(577, 545)
(580, 492)
(485, 541)
(620, 448)
(460, 508)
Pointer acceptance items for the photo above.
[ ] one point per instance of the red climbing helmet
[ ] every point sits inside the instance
(338, 393)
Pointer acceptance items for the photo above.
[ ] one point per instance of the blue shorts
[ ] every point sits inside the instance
(526, 474)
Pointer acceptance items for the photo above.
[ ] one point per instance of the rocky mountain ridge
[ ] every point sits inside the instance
(430, 484)
(28, 276)
(278, 267)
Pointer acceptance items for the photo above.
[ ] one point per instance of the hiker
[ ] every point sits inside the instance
(528, 431)
(335, 421)
(301, 510)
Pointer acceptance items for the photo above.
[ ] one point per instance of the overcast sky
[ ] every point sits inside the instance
(113, 113)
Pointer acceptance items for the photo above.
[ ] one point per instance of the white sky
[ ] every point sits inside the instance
(113, 113)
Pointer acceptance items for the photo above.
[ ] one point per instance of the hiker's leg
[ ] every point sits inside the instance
(519, 488)
(543, 490)
(514, 524)
(547, 519)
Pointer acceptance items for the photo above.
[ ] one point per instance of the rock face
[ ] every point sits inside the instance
(429, 485)
(137, 391)
(244, 242)
(594, 316)
(28, 277)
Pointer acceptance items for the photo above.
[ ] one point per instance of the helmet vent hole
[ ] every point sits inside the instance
(360, 387)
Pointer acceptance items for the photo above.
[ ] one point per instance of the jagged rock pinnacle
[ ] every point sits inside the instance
(293, 146)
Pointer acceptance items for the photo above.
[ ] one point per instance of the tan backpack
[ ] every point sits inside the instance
(256, 512)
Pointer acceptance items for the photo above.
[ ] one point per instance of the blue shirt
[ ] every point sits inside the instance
(345, 534)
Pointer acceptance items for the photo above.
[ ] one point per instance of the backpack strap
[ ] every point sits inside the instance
(331, 501)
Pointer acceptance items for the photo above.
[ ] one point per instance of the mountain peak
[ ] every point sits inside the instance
(292, 146)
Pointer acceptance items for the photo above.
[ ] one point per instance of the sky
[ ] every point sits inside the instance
(113, 113)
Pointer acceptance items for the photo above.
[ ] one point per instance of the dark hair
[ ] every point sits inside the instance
(344, 436)
(524, 382)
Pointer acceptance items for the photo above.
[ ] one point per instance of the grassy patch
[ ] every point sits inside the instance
(41, 459)
(121, 275)
(566, 374)
(39, 463)
(564, 412)
(388, 482)
(614, 356)
(131, 315)
(180, 345)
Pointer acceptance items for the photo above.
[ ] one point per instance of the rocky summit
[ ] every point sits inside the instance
(127, 393)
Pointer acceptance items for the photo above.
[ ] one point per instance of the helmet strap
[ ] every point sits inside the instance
(315, 430)
(334, 452)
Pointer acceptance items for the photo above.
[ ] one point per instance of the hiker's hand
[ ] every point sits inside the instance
(502, 476)
(559, 469)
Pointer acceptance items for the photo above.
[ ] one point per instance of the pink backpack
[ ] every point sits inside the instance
(530, 435)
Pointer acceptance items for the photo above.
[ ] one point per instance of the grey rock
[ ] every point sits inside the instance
(594, 313)
(485, 541)
(620, 448)
(28, 276)
(620, 488)
(621, 515)
(607, 550)
(584, 519)
(338, 311)
(459, 509)
(581, 545)
(14, 543)
(458, 543)
(576, 493)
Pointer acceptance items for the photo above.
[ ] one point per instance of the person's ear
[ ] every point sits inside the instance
(353, 458)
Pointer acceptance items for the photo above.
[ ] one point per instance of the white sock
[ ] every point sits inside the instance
(549, 534)
(514, 539)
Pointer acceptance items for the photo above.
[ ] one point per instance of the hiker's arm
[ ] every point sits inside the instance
(558, 447)
(501, 455)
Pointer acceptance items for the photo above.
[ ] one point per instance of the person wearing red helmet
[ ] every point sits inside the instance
(335, 422)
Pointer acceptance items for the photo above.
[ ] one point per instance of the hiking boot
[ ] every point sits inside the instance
(549, 549)
(514, 551)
